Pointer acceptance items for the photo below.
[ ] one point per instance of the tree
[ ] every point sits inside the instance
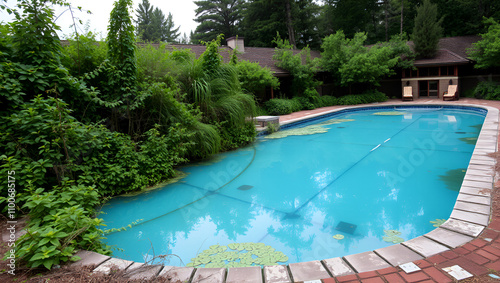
(217, 17)
(486, 52)
(301, 67)
(153, 26)
(143, 22)
(353, 62)
(121, 54)
(427, 30)
(351, 16)
(163, 29)
(171, 33)
(295, 20)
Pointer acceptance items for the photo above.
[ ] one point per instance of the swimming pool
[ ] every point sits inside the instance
(350, 182)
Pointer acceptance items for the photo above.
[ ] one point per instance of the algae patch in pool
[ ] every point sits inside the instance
(239, 255)
(308, 130)
(438, 222)
(391, 236)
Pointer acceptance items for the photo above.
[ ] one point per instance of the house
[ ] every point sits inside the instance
(450, 65)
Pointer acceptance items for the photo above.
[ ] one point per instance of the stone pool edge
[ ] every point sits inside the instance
(470, 216)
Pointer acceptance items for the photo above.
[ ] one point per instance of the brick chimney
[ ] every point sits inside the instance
(236, 42)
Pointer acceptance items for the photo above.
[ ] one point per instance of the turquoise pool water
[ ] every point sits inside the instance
(348, 183)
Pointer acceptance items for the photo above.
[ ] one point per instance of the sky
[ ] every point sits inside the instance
(182, 12)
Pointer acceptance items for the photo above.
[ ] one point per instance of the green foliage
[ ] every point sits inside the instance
(280, 106)
(487, 90)
(300, 66)
(427, 30)
(121, 47)
(152, 26)
(236, 136)
(350, 61)
(216, 17)
(84, 54)
(486, 52)
(262, 19)
(211, 59)
(326, 100)
(255, 79)
(61, 222)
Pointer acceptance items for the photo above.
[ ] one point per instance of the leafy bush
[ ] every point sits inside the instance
(237, 136)
(281, 106)
(255, 79)
(304, 102)
(61, 222)
(301, 67)
(326, 100)
(487, 90)
(84, 54)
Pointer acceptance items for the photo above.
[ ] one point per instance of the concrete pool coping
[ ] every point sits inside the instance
(470, 216)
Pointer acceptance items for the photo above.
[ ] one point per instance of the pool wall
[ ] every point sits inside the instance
(470, 216)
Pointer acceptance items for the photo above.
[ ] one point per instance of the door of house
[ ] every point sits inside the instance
(428, 88)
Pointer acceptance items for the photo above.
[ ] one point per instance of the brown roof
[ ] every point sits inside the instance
(452, 51)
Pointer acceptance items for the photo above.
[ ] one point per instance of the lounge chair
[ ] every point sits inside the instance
(451, 93)
(407, 93)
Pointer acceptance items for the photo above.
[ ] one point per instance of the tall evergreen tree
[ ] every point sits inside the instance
(153, 26)
(144, 29)
(217, 17)
(163, 28)
(171, 33)
(427, 30)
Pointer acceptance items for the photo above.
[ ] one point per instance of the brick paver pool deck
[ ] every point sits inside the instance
(470, 238)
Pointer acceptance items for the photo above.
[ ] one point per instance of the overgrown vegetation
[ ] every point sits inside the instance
(300, 65)
(351, 61)
(486, 52)
(487, 90)
(82, 123)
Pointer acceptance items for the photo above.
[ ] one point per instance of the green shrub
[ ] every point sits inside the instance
(326, 100)
(255, 79)
(84, 54)
(487, 90)
(304, 102)
(281, 106)
(237, 135)
(61, 222)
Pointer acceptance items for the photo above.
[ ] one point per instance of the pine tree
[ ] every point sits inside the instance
(217, 17)
(171, 33)
(427, 30)
(144, 28)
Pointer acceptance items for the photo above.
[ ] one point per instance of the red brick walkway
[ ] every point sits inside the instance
(479, 257)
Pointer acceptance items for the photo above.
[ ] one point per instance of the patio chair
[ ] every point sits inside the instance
(407, 93)
(451, 93)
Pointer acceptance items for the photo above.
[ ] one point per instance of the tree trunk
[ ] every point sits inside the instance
(289, 24)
